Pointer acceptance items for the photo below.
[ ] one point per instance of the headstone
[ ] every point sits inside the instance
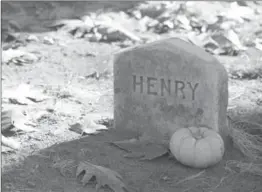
(168, 84)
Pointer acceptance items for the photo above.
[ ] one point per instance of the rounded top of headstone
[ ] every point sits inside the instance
(173, 43)
(178, 46)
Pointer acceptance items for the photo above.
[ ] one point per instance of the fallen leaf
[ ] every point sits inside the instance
(32, 38)
(97, 118)
(242, 11)
(233, 37)
(9, 142)
(40, 115)
(92, 123)
(94, 37)
(77, 27)
(142, 148)
(18, 57)
(24, 94)
(94, 74)
(137, 14)
(198, 25)
(77, 128)
(221, 40)
(88, 21)
(5, 149)
(135, 155)
(48, 40)
(128, 141)
(227, 25)
(111, 34)
(225, 45)
(199, 40)
(18, 101)
(65, 22)
(184, 22)
(114, 26)
(259, 45)
(145, 23)
(171, 24)
(21, 122)
(90, 126)
(15, 119)
(152, 10)
(6, 120)
(103, 176)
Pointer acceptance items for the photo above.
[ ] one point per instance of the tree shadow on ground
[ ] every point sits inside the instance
(36, 16)
(55, 168)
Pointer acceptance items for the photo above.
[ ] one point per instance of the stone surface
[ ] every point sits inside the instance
(162, 86)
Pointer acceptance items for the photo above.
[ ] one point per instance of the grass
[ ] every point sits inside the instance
(246, 70)
(249, 143)
(247, 138)
(245, 167)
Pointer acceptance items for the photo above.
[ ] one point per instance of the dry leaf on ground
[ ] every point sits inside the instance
(240, 12)
(48, 40)
(6, 120)
(24, 94)
(144, 149)
(95, 122)
(73, 26)
(16, 119)
(103, 176)
(233, 37)
(6, 150)
(21, 121)
(112, 30)
(9, 142)
(18, 57)
(12, 119)
(77, 128)
(92, 124)
(32, 94)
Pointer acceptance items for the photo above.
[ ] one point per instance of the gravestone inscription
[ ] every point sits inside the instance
(168, 84)
(165, 87)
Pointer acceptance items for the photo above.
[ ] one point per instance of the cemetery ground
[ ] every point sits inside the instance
(59, 87)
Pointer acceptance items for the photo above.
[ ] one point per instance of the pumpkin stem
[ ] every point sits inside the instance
(198, 117)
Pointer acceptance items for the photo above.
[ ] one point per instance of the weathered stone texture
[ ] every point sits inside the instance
(164, 85)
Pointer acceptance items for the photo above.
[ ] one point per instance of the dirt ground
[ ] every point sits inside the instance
(61, 73)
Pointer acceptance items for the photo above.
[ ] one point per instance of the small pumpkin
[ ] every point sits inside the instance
(198, 147)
